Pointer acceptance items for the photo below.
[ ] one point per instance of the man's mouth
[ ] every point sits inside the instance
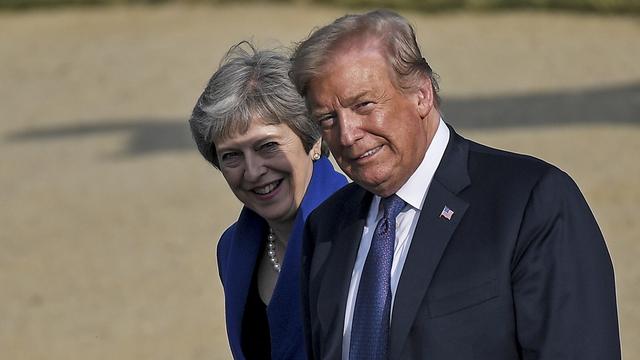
(370, 153)
(267, 189)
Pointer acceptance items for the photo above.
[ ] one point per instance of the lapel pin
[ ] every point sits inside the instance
(446, 213)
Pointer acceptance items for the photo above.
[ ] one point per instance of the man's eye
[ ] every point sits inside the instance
(326, 122)
(364, 105)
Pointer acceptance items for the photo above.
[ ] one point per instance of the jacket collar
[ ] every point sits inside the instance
(432, 234)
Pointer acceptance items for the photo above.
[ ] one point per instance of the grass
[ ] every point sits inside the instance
(606, 6)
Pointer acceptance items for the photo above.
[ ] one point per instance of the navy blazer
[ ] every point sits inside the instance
(238, 250)
(520, 271)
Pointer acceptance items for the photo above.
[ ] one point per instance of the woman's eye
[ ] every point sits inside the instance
(271, 145)
(230, 157)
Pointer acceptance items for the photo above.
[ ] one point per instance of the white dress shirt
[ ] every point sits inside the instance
(413, 192)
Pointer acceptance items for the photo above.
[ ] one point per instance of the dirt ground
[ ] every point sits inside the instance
(109, 218)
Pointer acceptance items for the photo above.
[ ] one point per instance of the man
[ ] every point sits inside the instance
(441, 248)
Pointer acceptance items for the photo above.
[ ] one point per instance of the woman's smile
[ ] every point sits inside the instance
(266, 189)
(267, 168)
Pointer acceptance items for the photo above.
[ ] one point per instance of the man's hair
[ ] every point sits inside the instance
(249, 84)
(394, 32)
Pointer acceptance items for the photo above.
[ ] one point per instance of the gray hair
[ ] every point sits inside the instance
(395, 33)
(249, 84)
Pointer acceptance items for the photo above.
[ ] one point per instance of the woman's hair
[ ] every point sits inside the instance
(249, 84)
(395, 34)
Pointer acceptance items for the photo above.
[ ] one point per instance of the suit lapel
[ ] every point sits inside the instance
(341, 253)
(430, 239)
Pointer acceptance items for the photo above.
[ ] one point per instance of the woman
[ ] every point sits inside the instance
(251, 124)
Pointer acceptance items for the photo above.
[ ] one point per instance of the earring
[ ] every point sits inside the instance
(316, 156)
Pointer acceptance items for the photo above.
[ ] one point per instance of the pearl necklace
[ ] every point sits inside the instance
(271, 250)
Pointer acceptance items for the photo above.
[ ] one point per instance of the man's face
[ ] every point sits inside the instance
(377, 134)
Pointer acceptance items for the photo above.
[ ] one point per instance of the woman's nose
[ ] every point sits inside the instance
(255, 167)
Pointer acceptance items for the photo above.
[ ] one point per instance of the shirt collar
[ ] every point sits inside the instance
(415, 189)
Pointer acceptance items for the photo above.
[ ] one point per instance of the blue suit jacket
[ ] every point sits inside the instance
(238, 250)
(520, 271)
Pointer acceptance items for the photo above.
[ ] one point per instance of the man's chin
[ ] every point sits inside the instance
(375, 185)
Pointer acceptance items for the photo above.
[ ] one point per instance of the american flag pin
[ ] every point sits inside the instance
(446, 213)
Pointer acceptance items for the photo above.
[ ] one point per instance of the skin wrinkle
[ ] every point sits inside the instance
(247, 164)
(397, 125)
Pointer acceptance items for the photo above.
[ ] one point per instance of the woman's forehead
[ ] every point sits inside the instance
(252, 129)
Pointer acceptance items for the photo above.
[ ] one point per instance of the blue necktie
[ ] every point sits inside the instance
(371, 317)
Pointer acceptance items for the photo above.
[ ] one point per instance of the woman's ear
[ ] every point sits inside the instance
(316, 150)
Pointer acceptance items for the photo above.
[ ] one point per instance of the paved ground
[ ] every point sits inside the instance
(109, 217)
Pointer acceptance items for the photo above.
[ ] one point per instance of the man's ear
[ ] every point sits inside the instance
(425, 97)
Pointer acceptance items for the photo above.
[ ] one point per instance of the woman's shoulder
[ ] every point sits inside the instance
(224, 243)
(248, 225)
(229, 232)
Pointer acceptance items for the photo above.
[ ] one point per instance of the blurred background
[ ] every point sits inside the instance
(109, 218)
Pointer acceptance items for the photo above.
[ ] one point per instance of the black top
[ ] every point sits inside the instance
(256, 341)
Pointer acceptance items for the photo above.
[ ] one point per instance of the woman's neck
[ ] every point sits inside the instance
(282, 231)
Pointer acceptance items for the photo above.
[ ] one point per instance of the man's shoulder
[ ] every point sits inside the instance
(338, 199)
(496, 170)
(488, 160)
(345, 199)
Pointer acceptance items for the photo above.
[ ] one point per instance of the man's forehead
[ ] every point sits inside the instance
(349, 74)
(342, 86)
(358, 43)
(350, 52)
(343, 98)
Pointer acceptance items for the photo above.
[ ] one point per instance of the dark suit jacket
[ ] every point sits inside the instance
(238, 251)
(521, 270)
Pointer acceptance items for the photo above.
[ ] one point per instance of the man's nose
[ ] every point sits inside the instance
(350, 130)
(254, 167)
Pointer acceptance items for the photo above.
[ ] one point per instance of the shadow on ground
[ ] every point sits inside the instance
(614, 105)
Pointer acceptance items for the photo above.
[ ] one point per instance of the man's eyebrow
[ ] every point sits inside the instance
(318, 110)
(354, 98)
(321, 113)
(347, 102)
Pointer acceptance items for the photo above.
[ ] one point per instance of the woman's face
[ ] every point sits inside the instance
(267, 169)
